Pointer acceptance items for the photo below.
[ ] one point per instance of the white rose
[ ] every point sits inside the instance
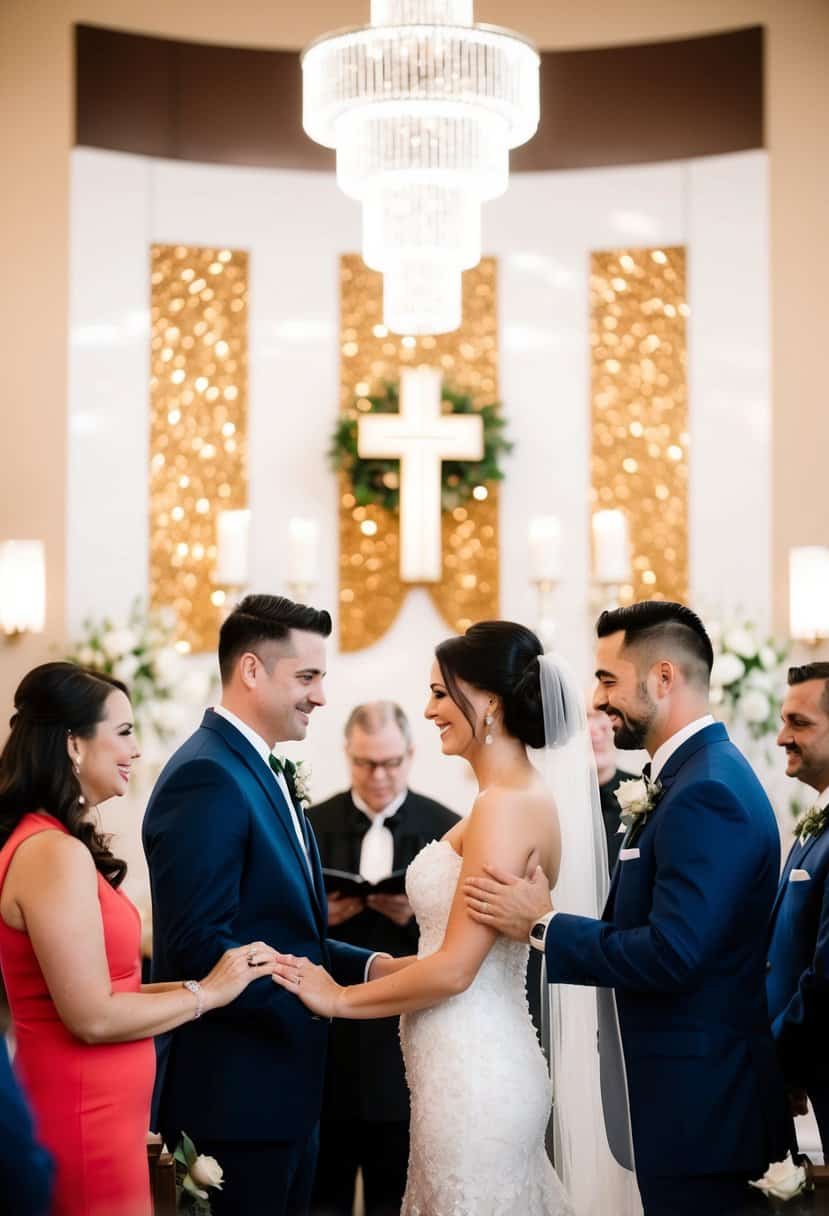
(742, 642)
(167, 717)
(632, 796)
(126, 668)
(768, 658)
(716, 696)
(754, 706)
(118, 642)
(727, 670)
(759, 679)
(87, 657)
(167, 665)
(782, 1180)
(206, 1171)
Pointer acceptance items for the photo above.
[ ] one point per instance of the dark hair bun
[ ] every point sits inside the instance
(500, 657)
(523, 711)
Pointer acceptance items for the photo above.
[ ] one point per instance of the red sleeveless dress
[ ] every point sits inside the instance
(91, 1103)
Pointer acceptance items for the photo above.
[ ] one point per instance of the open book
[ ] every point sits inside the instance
(354, 884)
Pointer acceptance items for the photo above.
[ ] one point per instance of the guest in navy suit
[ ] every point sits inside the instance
(798, 967)
(683, 936)
(232, 860)
(25, 1168)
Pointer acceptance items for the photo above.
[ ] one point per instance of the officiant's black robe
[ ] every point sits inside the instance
(365, 1078)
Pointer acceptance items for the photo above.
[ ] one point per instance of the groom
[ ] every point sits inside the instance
(232, 860)
(683, 936)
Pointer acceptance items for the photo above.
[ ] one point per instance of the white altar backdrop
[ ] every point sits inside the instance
(295, 226)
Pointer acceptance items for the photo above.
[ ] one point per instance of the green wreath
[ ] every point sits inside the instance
(377, 482)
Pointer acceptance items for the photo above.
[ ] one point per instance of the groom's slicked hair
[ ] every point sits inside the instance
(265, 618)
(812, 671)
(661, 629)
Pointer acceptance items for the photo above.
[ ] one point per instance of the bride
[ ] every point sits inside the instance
(480, 1091)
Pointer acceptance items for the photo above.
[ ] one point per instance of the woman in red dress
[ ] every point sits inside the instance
(70, 939)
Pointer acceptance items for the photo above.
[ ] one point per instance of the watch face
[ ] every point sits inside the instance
(192, 986)
(537, 931)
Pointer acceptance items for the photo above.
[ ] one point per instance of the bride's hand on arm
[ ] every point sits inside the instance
(311, 983)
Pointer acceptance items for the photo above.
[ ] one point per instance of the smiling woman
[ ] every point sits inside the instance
(69, 942)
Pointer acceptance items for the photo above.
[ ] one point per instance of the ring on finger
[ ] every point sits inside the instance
(251, 958)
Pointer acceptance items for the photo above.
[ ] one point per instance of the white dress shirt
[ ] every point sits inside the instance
(666, 750)
(823, 800)
(256, 741)
(377, 849)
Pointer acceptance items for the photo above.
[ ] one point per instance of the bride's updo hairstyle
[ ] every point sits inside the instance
(500, 657)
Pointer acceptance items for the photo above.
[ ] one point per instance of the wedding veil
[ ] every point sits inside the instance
(591, 1117)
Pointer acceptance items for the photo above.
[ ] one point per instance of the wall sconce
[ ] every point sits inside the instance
(22, 587)
(809, 594)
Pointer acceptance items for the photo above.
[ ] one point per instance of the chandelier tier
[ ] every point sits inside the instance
(422, 107)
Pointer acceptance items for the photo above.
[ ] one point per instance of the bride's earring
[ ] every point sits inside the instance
(81, 799)
(488, 720)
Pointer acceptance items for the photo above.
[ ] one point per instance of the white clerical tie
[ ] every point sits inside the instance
(377, 851)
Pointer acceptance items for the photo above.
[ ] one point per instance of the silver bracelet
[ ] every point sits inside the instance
(195, 987)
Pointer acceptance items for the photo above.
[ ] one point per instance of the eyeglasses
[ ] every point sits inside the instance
(371, 766)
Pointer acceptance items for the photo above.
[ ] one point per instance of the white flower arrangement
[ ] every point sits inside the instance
(142, 653)
(748, 679)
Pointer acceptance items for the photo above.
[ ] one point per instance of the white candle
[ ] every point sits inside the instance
(545, 549)
(611, 547)
(232, 536)
(302, 551)
(809, 593)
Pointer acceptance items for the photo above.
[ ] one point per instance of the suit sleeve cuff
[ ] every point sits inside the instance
(371, 958)
(538, 933)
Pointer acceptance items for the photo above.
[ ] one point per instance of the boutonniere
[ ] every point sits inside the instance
(812, 822)
(637, 798)
(298, 777)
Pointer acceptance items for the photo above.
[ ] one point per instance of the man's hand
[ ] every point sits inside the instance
(396, 907)
(508, 904)
(798, 1102)
(342, 909)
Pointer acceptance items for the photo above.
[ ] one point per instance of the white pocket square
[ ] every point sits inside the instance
(621, 830)
(799, 876)
(628, 854)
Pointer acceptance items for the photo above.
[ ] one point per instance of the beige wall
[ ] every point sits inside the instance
(35, 140)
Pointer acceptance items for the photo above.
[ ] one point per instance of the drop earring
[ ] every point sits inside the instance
(81, 799)
(488, 720)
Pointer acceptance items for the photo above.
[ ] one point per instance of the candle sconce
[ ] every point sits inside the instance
(302, 559)
(230, 578)
(611, 560)
(545, 572)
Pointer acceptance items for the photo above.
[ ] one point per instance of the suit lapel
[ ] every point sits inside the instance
(715, 733)
(267, 782)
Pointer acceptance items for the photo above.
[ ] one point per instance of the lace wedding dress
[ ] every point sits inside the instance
(480, 1092)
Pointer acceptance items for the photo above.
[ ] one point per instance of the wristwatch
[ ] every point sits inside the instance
(538, 933)
(195, 987)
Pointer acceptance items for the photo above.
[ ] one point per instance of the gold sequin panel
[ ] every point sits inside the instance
(371, 593)
(198, 425)
(639, 403)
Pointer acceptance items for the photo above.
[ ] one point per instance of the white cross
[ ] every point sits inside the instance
(421, 438)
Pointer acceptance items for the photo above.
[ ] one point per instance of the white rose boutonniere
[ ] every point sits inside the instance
(298, 777)
(637, 798)
(782, 1180)
(194, 1174)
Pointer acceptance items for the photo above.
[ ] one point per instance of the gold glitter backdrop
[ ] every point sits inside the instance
(639, 404)
(198, 426)
(371, 593)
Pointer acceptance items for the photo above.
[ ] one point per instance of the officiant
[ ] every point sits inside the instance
(374, 829)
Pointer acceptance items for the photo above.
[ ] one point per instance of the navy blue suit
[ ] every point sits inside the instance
(25, 1167)
(683, 943)
(226, 868)
(797, 983)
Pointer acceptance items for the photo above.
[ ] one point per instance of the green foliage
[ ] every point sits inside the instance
(376, 482)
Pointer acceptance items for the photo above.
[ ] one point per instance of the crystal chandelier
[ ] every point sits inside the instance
(422, 107)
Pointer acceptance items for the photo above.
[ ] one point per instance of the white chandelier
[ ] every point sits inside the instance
(422, 107)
